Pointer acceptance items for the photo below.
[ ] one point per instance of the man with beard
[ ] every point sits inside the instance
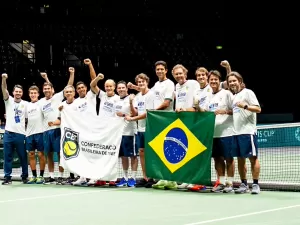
(244, 106)
(14, 136)
(52, 134)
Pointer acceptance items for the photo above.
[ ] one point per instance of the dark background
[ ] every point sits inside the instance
(124, 38)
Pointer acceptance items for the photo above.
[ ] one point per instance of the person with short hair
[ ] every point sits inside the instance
(52, 134)
(143, 101)
(14, 136)
(108, 100)
(34, 136)
(128, 147)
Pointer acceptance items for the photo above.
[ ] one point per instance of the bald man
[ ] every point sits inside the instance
(108, 100)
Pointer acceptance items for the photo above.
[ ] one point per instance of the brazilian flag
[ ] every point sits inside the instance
(178, 146)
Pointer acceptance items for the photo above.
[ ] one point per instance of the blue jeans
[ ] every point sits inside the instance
(13, 141)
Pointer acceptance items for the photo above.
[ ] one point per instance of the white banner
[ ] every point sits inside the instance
(90, 145)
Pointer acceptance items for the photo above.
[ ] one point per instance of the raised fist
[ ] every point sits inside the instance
(87, 61)
(225, 63)
(44, 75)
(4, 76)
(129, 85)
(100, 76)
(71, 69)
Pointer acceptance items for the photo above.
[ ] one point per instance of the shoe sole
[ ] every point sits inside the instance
(159, 187)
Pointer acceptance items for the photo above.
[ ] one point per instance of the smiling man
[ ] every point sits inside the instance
(34, 136)
(14, 136)
(245, 107)
(164, 100)
(143, 101)
(128, 148)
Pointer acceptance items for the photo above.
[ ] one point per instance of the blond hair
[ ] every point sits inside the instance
(143, 77)
(180, 66)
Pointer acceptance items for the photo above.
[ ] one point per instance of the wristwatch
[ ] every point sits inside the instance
(246, 107)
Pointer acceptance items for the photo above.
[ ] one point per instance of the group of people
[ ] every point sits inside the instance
(38, 123)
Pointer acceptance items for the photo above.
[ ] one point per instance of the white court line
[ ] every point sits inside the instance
(60, 195)
(243, 215)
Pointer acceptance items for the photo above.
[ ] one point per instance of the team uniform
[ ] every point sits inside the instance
(203, 95)
(86, 105)
(107, 104)
(52, 134)
(107, 108)
(142, 104)
(185, 99)
(14, 137)
(245, 143)
(34, 133)
(128, 147)
(164, 90)
(222, 142)
(50, 111)
(185, 94)
(244, 123)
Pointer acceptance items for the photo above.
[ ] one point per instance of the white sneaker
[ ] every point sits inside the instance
(184, 186)
(255, 189)
(91, 182)
(81, 181)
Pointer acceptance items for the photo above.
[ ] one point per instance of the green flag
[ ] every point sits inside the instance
(178, 146)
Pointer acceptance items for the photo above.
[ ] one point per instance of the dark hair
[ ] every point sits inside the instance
(163, 63)
(47, 83)
(79, 82)
(18, 86)
(215, 73)
(122, 82)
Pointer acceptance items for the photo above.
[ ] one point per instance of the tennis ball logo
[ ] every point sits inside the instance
(70, 148)
(175, 145)
(70, 144)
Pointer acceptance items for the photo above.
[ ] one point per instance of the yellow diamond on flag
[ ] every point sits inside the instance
(176, 145)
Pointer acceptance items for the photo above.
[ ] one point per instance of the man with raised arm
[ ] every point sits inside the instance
(245, 107)
(86, 103)
(14, 136)
(52, 134)
(108, 100)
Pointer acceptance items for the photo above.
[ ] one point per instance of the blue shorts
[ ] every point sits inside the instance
(52, 140)
(222, 147)
(35, 142)
(245, 145)
(141, 139)
(128, 146)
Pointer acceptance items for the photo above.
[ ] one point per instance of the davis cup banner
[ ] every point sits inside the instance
(90, 145)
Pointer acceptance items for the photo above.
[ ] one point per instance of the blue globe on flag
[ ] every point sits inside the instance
(175, 145)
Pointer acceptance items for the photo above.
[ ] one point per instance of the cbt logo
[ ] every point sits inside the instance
(70, 144)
